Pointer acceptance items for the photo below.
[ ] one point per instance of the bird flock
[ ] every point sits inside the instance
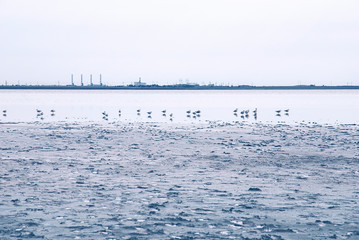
(244, 114)
(285, 111)
(40, 114)
(138, 111)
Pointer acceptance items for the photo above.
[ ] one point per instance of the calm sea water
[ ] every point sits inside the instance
(323, 106)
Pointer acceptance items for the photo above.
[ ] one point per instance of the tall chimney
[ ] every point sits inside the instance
(91, 80)
(82, 81)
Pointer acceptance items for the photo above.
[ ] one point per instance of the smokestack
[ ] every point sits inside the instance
(82, 82)
(72, 80)
(100, 80)
(91, 80)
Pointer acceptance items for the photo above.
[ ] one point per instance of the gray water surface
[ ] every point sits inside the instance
(323, 106)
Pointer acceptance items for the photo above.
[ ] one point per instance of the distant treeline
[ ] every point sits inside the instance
(176, 87)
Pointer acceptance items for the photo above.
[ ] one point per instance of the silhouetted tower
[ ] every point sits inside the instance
(82, 81)
(72, 80)
(100, 80)
(91, 80)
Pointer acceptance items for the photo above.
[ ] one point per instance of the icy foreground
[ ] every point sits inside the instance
(158, 181)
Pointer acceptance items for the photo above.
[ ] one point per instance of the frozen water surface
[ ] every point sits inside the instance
(192, 181)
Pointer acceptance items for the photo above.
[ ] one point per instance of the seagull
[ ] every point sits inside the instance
(171, 115)
(164, 111)
(278, 111)
(4, 111)
(286, 110)
(149, 113)
(52, 110)
(38, 110)
(198, 111)
(235, 110)
(188, 112)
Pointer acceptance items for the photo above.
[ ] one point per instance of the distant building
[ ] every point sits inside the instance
(139, 83)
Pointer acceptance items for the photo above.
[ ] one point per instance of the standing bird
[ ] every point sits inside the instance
(149, 115)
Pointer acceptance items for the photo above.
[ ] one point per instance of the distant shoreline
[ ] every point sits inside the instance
(175, 87)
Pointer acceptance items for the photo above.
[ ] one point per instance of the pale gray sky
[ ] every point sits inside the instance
(261, 42)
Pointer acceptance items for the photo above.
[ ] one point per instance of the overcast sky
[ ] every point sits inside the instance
(260, 42)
